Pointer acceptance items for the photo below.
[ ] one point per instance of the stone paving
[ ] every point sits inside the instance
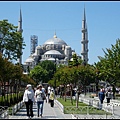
(48, 113)
(55, 113)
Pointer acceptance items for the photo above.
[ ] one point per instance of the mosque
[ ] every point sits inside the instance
(55, 49)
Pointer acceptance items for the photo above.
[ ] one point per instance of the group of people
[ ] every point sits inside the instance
(104, 94)
(38, 95)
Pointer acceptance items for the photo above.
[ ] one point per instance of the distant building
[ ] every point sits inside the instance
(54, 49)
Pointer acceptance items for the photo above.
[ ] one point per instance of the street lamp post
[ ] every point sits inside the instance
(54, 72)
(97, 82)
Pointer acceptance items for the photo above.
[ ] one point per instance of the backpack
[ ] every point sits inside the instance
(107, 94)
(43, 96)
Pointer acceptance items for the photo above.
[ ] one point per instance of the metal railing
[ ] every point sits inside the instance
(95, 103)
(94, 116)
(16, 107)
(89, 112)
(4, 114)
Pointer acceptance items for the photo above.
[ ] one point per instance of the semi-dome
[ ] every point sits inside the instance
(34, 54)
(55, 40)
(51, 52)
(30, 59)
(52, 59)
(38, 47)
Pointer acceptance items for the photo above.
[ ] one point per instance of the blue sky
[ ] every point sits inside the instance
(43, 18)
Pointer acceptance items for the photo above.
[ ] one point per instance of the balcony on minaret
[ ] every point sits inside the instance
(84, 41)
(83, 53)
(84, 30)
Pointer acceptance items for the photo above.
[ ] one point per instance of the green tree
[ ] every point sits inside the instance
(39, 74)
(110, 65)
(11, 41)
(75, 61)
(50, 67)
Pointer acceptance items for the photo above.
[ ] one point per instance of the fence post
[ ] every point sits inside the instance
(113, 109)
(13, 110)
(98, 104)
(87, 110)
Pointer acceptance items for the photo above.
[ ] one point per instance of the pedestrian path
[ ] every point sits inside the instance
(48, 113)
(54, 112)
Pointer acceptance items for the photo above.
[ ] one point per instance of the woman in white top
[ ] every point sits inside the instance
(28, 98)
(39, 94)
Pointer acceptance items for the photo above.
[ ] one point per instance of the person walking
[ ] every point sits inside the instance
(48, 93)
(101, 96)
(39, 96)
(44, 90)
(108, 96)
(28, 99)
(51, 98)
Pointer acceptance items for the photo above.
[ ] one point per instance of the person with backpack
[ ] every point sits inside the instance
(40, 97)
(108, 96)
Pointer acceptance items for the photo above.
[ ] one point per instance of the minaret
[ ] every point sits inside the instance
(20, 30)
(84, 40)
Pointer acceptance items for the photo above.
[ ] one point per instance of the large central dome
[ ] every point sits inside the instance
(55, 40)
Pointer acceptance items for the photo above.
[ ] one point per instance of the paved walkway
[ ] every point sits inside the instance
(52, 113)
(48, 113)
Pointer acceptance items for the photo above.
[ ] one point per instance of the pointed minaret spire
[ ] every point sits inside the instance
(20, 30)
(84, 40)
(20, 22)
(84, 14)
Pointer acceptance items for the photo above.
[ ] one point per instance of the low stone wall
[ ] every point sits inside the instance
(61, 107)
(16, 107)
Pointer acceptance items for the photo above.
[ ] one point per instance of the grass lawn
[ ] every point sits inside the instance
(82, 108)
(68, 102)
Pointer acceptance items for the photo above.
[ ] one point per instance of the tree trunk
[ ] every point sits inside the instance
(65, 93)
(77, 99)
(71, 94)
(113, 91)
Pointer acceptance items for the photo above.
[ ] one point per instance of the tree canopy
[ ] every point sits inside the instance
(11, 41)
(38, 74)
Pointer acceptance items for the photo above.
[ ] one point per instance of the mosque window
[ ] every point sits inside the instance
(57, 46)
